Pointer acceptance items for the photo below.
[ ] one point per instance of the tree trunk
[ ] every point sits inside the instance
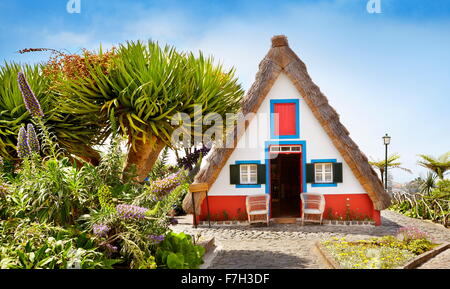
(144, 157)
(91, 156)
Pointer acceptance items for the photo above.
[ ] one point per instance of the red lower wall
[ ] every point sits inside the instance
(358, 206)
(234, 206)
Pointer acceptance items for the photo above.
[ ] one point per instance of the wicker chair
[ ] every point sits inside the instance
(258, 208)
(312, 204)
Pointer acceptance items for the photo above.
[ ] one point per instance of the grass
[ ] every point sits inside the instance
(377, 253)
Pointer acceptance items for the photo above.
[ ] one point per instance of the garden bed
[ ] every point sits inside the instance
(325, 222)
(224, 223)
(348, 223)
(386, 252)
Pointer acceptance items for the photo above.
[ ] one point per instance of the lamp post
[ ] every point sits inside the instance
(386, 141)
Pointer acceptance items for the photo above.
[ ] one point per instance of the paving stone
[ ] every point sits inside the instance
(290, 245)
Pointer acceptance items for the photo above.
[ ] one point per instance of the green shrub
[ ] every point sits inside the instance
(178, 252)
(52, 192)
(419, 246)
(28, 245)
(432, 205)
(60, 214)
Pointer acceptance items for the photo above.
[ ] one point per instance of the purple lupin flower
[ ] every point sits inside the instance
(33, 141)
(101, 230)
(156, 238)
(173, 221)
(31, 102)
(23, 150)
(131, 211)
(162, 187)
(111, 248)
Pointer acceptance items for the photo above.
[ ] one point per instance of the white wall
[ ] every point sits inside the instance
(318, 145)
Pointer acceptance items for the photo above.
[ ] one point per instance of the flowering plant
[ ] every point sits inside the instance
(156, 238)
(163, 187)
(30, 100)
(32, 139)
(191, 159)
(131, 211)
(23, 149)
(411, 233)
(101, 230)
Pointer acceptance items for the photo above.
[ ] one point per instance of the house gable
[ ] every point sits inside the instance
(312, 136)
(281, 59)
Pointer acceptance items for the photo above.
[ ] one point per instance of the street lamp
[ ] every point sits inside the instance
(387, 141)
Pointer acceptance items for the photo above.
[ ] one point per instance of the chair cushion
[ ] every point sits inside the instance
(260, 212)
(312, 211)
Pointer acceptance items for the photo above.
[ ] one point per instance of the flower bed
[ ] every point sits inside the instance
(348, 223)
(386, 252)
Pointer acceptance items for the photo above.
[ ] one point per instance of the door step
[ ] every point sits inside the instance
(285, 220)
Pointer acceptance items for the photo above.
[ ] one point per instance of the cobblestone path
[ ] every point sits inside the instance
(291, 245)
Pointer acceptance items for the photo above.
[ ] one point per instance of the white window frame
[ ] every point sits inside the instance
(320, 169)
(245, 174)
(285, 148)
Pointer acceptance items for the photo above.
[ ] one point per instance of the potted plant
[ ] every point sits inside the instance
(330, 217)
(226, 218)
(367, 221)
(217, 218)
(360, 220)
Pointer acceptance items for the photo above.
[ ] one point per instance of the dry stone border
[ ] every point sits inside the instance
(292, 245)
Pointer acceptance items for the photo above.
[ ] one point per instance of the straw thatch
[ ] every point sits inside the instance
(281, 58)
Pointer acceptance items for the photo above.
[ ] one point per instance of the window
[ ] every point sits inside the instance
(248, 173)
(285, 148)
(286, 123)
(323, 173)
(284, 118)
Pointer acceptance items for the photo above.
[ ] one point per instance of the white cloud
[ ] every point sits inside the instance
(69, 39)
(157, 26)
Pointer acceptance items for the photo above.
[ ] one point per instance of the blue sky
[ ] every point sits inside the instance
(387, 72)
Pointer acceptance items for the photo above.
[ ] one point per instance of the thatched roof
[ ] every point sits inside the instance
(281, 58)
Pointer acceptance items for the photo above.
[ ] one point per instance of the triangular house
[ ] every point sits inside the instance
(301, 146)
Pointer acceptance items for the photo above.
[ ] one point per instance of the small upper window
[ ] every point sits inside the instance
(248, 173)
(285, 148)
(323, 172)
(284, 118)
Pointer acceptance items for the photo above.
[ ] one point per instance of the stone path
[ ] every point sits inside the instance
(291, 245)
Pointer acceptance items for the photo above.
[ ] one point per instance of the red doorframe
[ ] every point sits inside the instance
(301, 170)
